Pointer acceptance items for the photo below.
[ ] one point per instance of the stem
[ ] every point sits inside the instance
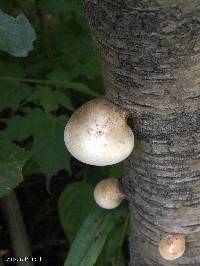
(70, 85)
(15, 224)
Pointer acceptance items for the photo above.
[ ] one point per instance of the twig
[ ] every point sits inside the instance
(14, 221)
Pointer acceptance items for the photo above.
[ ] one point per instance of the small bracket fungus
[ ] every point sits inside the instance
(107, 193)
(172, 247)
(97, 133)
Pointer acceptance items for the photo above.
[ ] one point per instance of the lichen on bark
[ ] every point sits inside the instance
(150, 54)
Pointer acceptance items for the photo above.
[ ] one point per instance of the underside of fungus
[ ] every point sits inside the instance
(98, 134)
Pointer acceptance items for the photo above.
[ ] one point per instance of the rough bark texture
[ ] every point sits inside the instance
(150, 54)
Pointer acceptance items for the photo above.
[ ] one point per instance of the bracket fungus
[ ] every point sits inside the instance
(172, 247)
(108, 194)
(97, 133)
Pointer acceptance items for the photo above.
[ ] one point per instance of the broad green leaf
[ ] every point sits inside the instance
(90, 69)
(31, 167)
(17, 35)
(92, 236)
(64, 40)
(112, 254)
(59, 75)
(33, 123)
(78, 53)
(49, 151)
(95, 174)
(74, 86)
(12, 159)
(73, 6)
(8, 69)
(75, 203)
(120, 259)
(62, 6)
(51, 100)
(88, 63)
(116, 170)
(12, 94)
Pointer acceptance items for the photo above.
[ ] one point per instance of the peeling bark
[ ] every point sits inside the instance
(150, 54)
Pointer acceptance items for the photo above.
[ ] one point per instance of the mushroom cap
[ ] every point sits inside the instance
(97, 133)
(107, 193)
(172, 247)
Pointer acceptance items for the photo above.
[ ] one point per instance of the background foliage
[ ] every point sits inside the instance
(49, 67)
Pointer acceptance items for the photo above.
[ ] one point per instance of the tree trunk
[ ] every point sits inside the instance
(150, 54)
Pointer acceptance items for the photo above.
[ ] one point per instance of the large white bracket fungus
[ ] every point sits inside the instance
(97, 133)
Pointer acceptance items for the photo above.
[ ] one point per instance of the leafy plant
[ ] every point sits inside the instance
(92, 236)
(37, 95)
(12, 159)
(75, 204)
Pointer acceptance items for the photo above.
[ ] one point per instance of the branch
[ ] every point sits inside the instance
(15, 224)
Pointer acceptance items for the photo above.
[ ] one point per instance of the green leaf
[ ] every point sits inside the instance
(75, 86)
(92, 236)
(31, 167)
(95, 174)
(17, 35)
(75, 203)
(78, 52)
(49, 150)
(8, 69)
(51, 100)
(116, 170)
(90, 69)
(59, 75)
(12, 159)
(62, 6)
(34, 123)
(112, 254)
(88, 64)
(12, 93)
